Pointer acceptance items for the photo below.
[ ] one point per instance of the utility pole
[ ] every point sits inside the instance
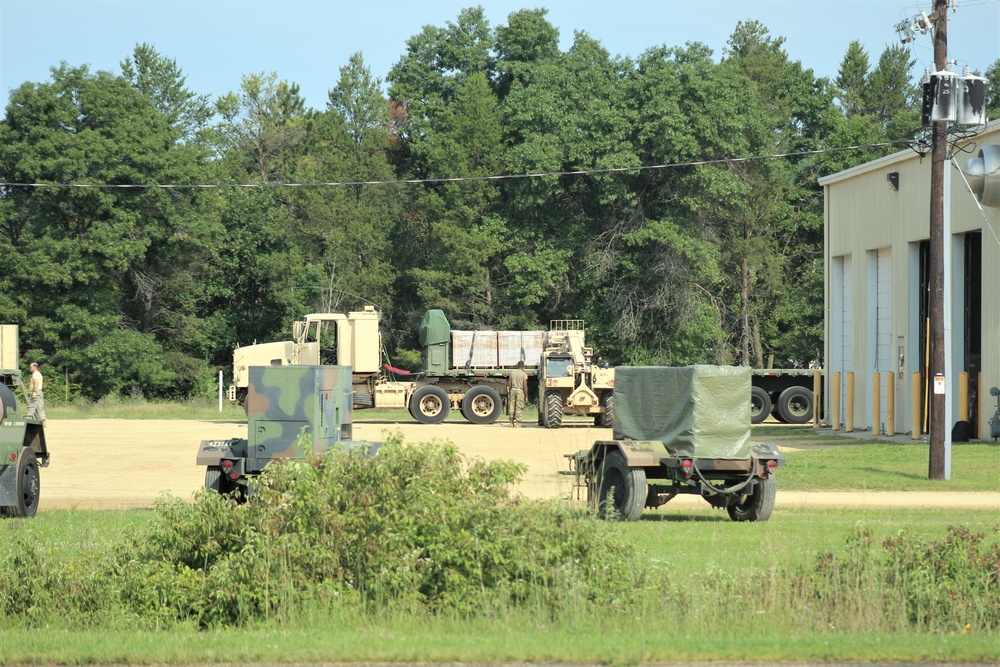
(939, 156)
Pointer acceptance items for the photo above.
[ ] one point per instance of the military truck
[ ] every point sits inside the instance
(572, 380)
(461, 370)
(785, 394)
(291, 411)
(680, 431)
(22, 440)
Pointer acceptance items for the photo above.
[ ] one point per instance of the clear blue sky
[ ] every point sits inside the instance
(215, 42)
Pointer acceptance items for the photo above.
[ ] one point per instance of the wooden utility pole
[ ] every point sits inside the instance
(939, 149)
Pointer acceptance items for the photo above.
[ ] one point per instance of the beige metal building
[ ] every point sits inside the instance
(877, 231)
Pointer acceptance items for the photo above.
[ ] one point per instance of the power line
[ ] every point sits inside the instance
(457, 179)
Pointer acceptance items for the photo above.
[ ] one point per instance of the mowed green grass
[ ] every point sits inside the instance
(690, 546)
(819, 460)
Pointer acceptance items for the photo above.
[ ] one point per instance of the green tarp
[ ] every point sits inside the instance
(695, 411)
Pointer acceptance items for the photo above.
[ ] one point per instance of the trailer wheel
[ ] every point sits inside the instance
(621, 490)
(606, 419)
(758, 504)
(760, 405)
(795, 405)
(213, 478)
(27, 486)
(430, 404)
(553, 409)
(482, 405)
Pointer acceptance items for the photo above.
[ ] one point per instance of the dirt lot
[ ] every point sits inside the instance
(120, 464)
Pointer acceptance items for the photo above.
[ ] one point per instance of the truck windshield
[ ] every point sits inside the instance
(558, 367)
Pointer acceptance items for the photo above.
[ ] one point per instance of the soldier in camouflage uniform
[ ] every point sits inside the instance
(36, 398)
(517, 394)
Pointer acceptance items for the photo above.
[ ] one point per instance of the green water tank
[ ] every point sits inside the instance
(435, 338)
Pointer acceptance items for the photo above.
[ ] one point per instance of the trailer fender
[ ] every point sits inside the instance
(767, 451)
(637, 453)
(212, 452)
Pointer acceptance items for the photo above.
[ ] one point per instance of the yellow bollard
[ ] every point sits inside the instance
(849, 421)
(915, 402)
(817, 397)
(876, 403)
(963, 396)
(890, 404)
(835, 403)
(980, 403)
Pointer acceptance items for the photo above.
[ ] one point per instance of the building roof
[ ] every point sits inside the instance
(901, 156)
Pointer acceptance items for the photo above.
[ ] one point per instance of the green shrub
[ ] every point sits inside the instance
(411, 527)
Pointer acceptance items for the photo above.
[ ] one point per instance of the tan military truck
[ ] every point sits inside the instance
(572, 380)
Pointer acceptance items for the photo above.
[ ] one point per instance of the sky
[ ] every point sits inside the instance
(216, 42)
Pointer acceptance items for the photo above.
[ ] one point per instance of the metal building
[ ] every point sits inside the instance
(876, 252)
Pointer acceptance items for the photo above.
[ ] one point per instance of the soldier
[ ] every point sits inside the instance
(36, 402)
(517, 394)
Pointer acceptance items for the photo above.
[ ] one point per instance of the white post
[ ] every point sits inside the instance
(220, 391)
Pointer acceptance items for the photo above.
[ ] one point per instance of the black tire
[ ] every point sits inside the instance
(362, 400)
(482, 405)
(606, 419)
(553, 409)
(760, 405)
(27, 487)
(621, 490)
(758, 504)
(795, 405)
(430, 404)
(213, 479)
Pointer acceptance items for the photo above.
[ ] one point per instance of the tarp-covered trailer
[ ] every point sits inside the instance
(680, 431)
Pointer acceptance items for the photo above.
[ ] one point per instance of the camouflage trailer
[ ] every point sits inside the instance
(22, 440)
(680, 431)
(291, 411)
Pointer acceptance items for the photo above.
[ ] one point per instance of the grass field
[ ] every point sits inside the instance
(804, 586)
(699, 547)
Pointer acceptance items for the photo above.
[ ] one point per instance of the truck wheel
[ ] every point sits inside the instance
(430, 404)
(758, 505)
(795, 405)
(553, 409)
(482, 405)
(27, 486)
(606, 419)
(621, 490)
(760, 405)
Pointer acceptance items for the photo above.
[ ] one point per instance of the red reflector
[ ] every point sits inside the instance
(227, 464)
(13, 457)
(771, 465)
(234, 475)
(686, 464)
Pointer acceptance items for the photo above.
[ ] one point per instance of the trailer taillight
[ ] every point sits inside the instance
(13, 456)
(226, 465)
(688, 468)
(771, 467)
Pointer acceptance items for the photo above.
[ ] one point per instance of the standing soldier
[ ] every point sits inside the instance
(36, 404)
(517, 394)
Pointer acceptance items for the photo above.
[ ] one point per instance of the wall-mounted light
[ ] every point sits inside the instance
(893, 178)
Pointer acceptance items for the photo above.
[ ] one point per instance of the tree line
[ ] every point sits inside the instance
(657, 217)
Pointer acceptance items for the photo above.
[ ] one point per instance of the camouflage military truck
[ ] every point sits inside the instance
(22, 440)
(680, 431)
(291, 410)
